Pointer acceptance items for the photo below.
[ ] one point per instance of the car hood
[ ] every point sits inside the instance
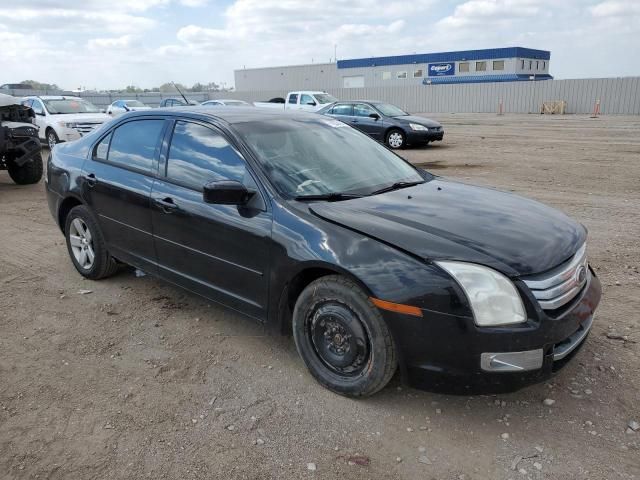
(443, 219)
(81, 117)
(427, 122)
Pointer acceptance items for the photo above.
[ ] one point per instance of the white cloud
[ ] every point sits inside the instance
(122, 42)
(616, 8)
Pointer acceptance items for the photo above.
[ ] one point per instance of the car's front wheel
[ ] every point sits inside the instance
(52, 138)
(396, 139)
(342, 337)
(86, 245)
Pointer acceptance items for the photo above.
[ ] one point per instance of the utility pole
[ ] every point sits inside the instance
(335, 52)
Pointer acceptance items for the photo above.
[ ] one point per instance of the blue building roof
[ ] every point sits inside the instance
(509, 77)
(463, 55)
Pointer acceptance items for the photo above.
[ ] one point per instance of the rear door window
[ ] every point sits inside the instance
(200, 154)
(101, 150)
(37, 107)
(135, 144)
(342, 110)
(293, 98)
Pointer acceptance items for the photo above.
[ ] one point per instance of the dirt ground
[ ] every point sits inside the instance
(139, 379)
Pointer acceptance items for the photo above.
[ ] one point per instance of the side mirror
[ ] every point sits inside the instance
(375, 116)
(313, 104)
(226, 192)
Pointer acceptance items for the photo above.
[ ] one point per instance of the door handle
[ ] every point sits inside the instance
(167, 205)
(91, 179)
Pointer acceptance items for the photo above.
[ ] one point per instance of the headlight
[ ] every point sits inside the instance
(493, 297)
(415, 126)
(69, 124)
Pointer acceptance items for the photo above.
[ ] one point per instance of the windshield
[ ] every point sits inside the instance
(390, 110)
(134, 103)
(324, 98)
(69, 105)
(308, 156)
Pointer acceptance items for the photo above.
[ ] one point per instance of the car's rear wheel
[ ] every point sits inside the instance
(52, 138)
(86, 245)
(30, 172)
(396, 139)
(342, 337)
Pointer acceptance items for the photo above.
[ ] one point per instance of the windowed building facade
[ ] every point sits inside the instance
(469, 66)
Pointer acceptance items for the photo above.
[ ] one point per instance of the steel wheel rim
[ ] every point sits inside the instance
(52, 140)
(339, 339)
(395, 139)
(81, 242)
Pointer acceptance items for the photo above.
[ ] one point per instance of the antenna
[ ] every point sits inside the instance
(181, 94)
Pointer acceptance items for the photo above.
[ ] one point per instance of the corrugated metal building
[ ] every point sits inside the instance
(468, 66)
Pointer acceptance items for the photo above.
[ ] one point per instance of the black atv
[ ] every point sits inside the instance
(19, 142)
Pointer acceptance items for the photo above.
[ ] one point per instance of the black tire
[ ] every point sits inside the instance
(103, 264)
(390, 139)
(347, 367)
(52, 138)
(30, 172)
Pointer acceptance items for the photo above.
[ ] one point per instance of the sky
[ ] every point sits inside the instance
(113, 43)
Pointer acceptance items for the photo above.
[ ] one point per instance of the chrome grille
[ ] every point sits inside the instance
(559, 286)
(86, 127)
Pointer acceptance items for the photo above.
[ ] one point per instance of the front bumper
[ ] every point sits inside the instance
(448, 353)
(66, 134)
(421, 136)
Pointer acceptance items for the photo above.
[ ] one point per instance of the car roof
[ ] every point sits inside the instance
(54, 97)
(229, 115)
(371, 102)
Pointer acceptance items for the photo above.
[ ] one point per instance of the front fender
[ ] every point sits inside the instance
(305, 241)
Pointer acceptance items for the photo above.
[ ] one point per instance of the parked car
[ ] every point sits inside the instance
(123, 106)
(64, 118)
(311, 227)
(19, 144)
(310, 101)
(386, 122)
(176, 102)
(226, 102)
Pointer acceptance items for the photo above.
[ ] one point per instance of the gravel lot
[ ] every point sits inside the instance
(139, 379)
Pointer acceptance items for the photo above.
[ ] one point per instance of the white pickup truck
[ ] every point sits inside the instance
(310, 101)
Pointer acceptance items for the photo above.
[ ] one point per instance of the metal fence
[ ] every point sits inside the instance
(615, 96)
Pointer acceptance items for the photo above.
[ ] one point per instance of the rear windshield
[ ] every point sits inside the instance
(134, 103)
(324, 98)
(68, 105)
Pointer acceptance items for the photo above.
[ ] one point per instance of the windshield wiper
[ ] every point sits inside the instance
(330, 197)
(397, 186)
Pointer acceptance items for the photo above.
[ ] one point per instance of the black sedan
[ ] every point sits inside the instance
(386, 123)
(308, 226)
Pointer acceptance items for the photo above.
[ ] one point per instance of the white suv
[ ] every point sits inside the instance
(62, 118)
